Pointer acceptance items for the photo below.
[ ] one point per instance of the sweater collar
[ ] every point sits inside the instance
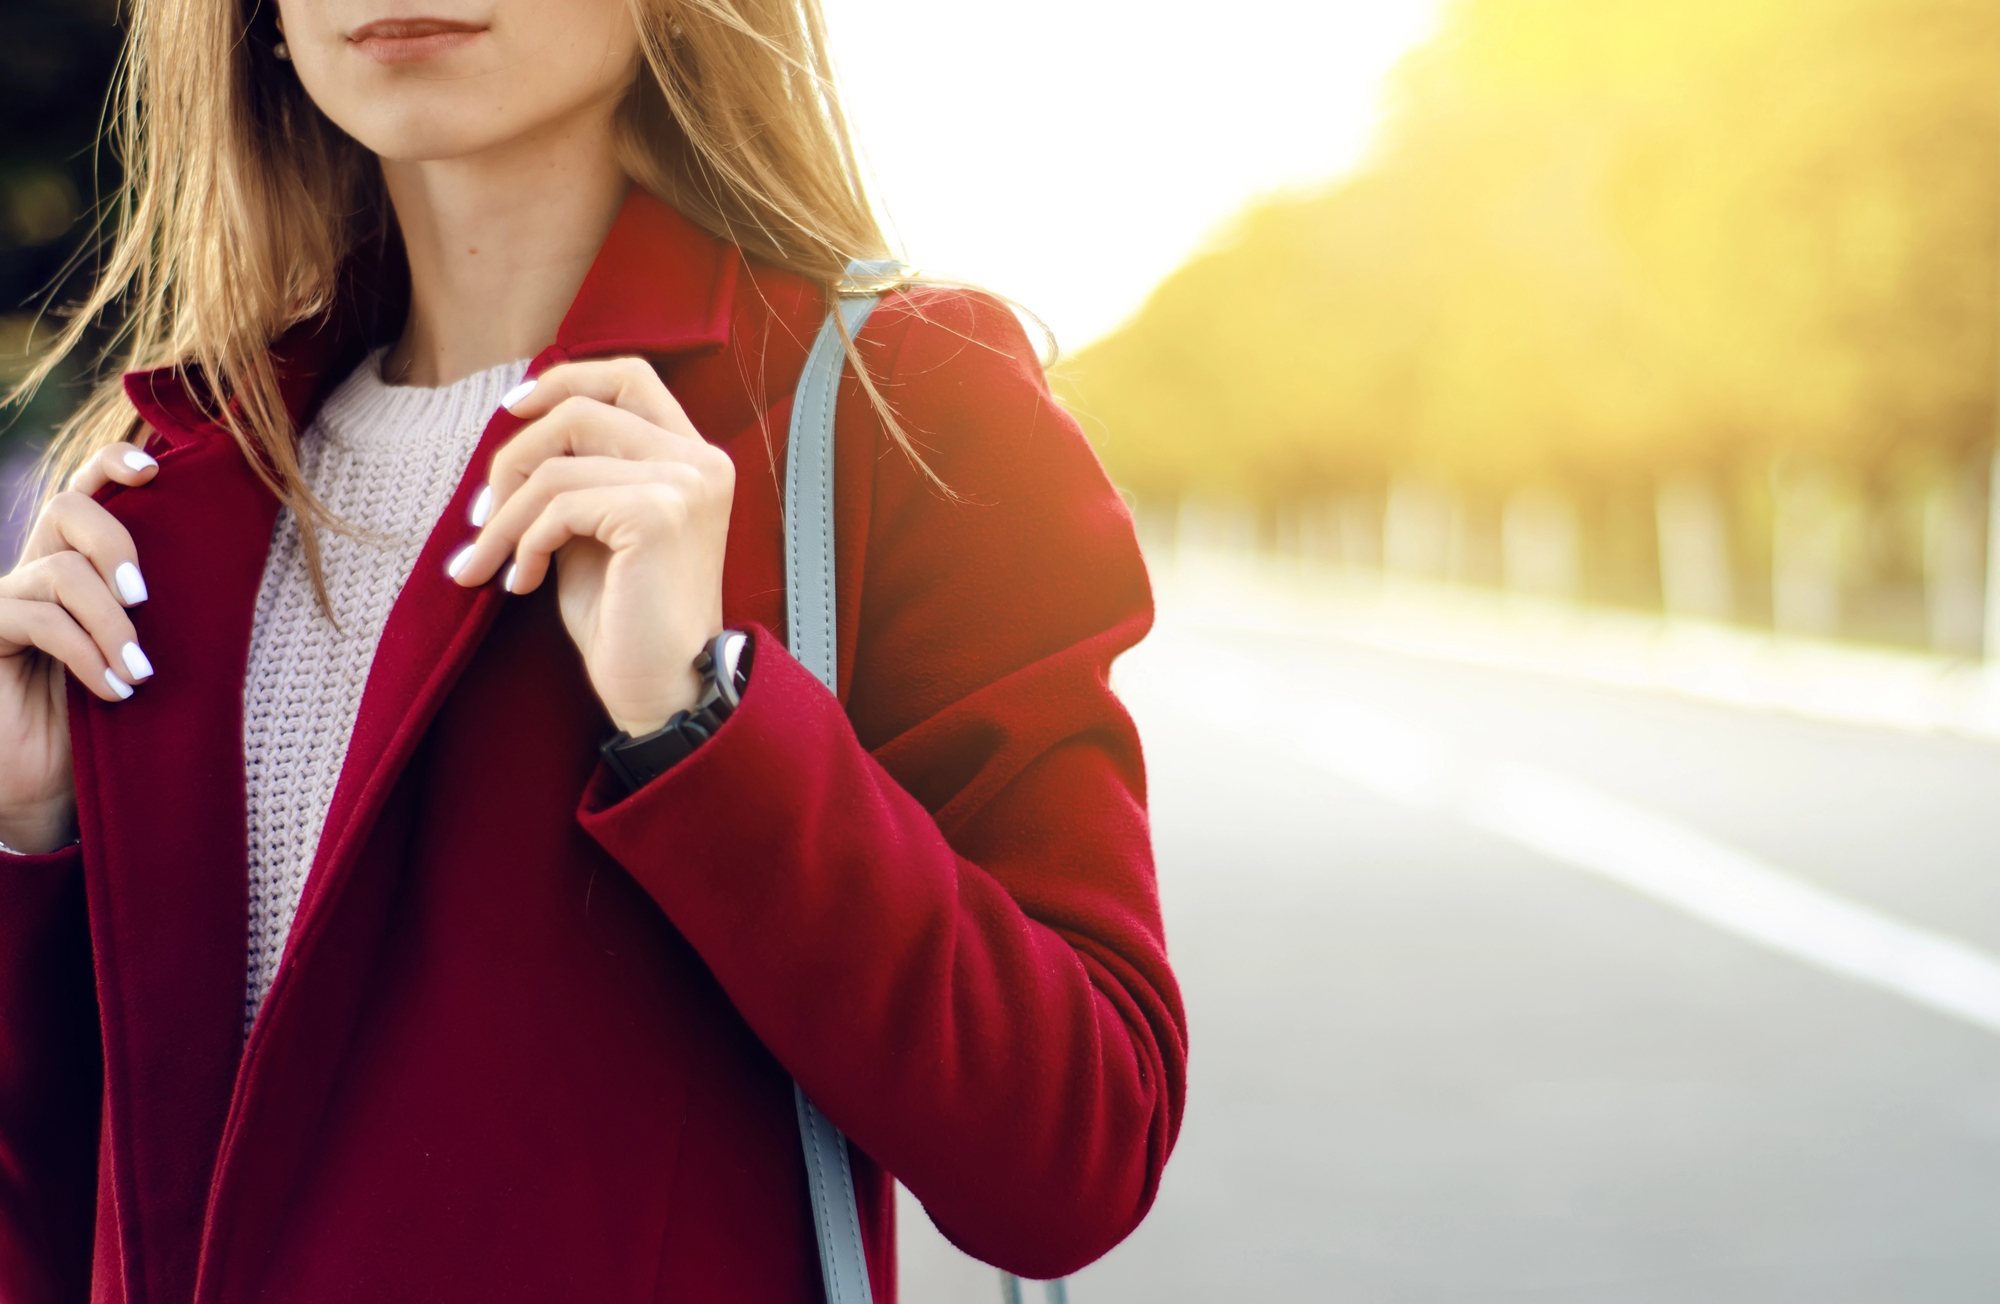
(659, 286)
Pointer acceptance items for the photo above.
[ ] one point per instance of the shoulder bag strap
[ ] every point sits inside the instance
(810, 611)
(811, 615)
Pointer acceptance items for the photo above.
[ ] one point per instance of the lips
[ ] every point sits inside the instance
(412, 40)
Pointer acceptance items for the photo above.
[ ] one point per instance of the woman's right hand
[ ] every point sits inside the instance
(62, 607)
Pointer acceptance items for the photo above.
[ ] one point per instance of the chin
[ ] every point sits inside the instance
(425, 136)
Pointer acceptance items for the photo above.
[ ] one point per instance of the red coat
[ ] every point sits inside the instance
(533, 1042)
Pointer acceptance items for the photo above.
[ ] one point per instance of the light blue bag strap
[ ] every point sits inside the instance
(836, 1214)
(811, 613)
(1055, 1292)
(810, 609)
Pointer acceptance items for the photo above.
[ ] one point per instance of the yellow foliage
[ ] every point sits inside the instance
(1600, 238)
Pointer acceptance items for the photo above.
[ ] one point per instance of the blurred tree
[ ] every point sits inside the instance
(1603, 242)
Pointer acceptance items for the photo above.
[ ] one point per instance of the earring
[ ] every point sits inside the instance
(283, 51)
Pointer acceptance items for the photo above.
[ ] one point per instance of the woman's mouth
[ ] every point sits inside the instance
(412, 40)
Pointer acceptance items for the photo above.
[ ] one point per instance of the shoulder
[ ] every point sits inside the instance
(966, 443)
(960, 374)
(1008, 535)
(936, 325)
(950, 343)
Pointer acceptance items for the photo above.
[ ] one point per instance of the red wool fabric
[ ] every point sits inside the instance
(533, 1040)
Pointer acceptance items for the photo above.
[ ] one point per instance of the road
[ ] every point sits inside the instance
(1506, 987)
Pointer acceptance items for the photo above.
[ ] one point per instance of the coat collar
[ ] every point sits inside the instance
(659, 286)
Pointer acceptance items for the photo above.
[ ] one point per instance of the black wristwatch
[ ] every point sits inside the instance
(725, 671)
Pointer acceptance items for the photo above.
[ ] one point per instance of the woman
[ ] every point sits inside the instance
(339, 963)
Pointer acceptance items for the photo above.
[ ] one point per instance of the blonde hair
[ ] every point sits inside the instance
(243, 201)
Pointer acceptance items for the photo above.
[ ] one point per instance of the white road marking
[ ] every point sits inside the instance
(1565, 820)
(1735, 891)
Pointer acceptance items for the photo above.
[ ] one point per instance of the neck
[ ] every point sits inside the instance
(498, 245)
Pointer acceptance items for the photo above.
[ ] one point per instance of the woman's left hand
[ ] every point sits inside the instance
(612, 485)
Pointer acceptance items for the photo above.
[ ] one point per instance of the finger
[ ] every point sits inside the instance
(120, 463)
(480, 559)
(619, 516)
(48, 627)
(585, 427)
(69, 581)
(75, 522)
(629, 384)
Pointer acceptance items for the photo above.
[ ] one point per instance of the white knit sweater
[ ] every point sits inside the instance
(385, 460)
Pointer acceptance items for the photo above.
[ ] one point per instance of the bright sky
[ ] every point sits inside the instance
(1071, 153)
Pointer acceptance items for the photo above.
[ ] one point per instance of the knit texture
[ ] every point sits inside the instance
(384, 459)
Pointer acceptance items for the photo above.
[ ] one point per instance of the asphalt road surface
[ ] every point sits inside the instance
(1508, 988)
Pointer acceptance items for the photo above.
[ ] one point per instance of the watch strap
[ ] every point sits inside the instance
(639, 761)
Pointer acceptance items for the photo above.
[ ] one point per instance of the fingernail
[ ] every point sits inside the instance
(457, 562)
(482, 507)
(136, 662)
(117, 685)
(131, 585)
(513, 569)
(516, 394)
(139, 461)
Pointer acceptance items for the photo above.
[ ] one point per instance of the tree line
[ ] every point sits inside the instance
(1722, 267)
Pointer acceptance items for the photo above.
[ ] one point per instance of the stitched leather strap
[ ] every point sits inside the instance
(836, 1213)
(809, 576)
(810, 614)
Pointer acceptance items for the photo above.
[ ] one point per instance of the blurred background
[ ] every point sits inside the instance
(56, 60)
(1563, 434)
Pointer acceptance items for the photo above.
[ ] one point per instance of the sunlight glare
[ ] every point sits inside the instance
(1071, 153)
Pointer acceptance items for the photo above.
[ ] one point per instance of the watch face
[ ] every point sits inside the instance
(729, 649)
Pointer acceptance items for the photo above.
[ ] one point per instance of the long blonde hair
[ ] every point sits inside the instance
(243, 201)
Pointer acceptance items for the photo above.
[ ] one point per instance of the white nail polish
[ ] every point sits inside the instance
(136, 662)
(516, 394)
(117, 685)
(482, 507)
(457, 562)
(131, 585)
(139, 461)
(513, 569)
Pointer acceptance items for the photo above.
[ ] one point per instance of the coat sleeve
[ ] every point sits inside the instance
(50, 1081)
(937, 906)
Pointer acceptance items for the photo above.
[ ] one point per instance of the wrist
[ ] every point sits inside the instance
(686, 691)
(722, 672)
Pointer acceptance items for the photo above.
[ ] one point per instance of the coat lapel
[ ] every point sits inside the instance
(161, 809)
(290, 1066)
(433, 629)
